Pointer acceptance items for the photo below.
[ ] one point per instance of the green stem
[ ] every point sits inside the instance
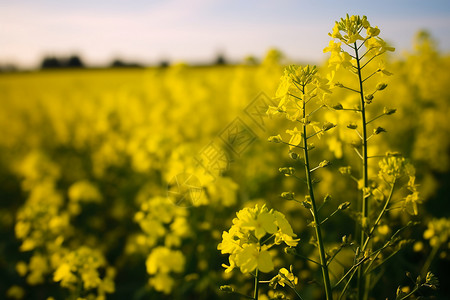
(410, 293)
(298, 295)
(306, 258)
(327, 218)
(323, 261)
(386, 204)
(376, 118)
(430, 258)
(256, 292)
(364, 208)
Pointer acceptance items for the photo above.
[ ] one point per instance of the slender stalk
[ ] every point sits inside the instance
(323, 261)
(256, 292)
(308, 259)
(386, 204)
(376, 118)
(410, 293)
(430, 258)
(298, 295)
(364, 206)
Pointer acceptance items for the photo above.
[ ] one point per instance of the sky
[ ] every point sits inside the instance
(198, 30)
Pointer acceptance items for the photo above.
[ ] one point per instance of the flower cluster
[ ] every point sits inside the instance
(296, 85)
(160, 263)
(82, 267)
(159, 219)
(394, 167)
(82, 191)
(438, 232)
(248, 239)
(284, 277)
(162, 222)
(349, 31)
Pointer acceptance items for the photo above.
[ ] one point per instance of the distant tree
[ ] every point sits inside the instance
(220, 59)
(8, 68)
(51, 62)
(74, 62)
(164, 64)
(118, 63)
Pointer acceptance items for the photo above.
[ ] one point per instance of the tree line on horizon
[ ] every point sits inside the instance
(76, 62)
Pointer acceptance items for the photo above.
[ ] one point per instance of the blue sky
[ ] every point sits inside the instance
(196, 30)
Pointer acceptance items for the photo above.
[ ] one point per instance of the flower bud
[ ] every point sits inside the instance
(345, 170)
(293, 155)
(287, 171)
(324, 163)
(345, 240)
(279, 296)
(288, 195)
(290, 250)
(399, 292)
(373, 31)
(344, 205)
(381, 86)
(369, 98)
(432, 281)
(305, 121)
(307, 202)
(226, 289)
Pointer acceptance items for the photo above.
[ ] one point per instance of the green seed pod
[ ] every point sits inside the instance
(379, 130)
(389, 111)
(327, 126)
(337, 106)
(352, 126)
(381, 86)
(275, 139)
